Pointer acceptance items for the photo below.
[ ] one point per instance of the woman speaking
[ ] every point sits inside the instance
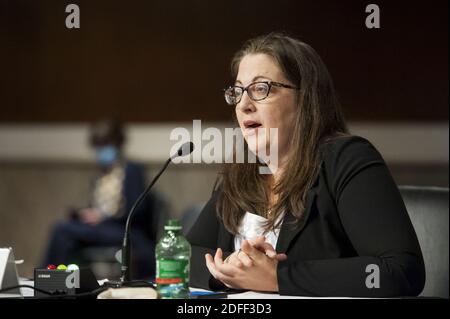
(329, 220)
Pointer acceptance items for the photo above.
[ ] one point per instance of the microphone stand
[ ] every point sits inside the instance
(185, 149)
(126, 243)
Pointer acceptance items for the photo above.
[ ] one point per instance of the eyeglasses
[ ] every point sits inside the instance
(256, 91)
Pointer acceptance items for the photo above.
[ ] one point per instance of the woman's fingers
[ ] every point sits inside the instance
(234, 260)
(210, 264)
(251, 251)
(257, 242)
(269, 250)
(263, 246)
(223, 268)
(244, 258)
(281, 257)
(225, 271)
(218, 257)
(213, 269)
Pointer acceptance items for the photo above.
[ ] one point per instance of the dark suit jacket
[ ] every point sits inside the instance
(355, 217)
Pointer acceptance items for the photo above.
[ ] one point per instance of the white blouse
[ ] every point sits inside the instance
(252, 226)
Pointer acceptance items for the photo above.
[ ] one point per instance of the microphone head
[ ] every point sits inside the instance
(186, 149)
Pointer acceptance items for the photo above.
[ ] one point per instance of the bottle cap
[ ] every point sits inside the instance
(173, 224)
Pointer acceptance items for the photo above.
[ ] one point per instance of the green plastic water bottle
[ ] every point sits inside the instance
(173, 254)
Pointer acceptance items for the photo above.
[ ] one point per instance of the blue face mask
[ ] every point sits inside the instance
(107, 155)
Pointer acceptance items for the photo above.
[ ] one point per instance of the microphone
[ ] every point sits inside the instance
(184, 150)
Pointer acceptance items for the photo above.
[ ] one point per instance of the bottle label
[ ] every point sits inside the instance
(172, 271)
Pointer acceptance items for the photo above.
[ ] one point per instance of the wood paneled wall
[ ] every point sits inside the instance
(159, 60)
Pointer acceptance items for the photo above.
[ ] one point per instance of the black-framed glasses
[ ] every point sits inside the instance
(256, 91)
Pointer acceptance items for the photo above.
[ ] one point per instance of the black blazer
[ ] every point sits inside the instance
(355, 217)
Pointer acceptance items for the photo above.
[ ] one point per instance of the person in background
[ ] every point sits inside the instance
(101, 223)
